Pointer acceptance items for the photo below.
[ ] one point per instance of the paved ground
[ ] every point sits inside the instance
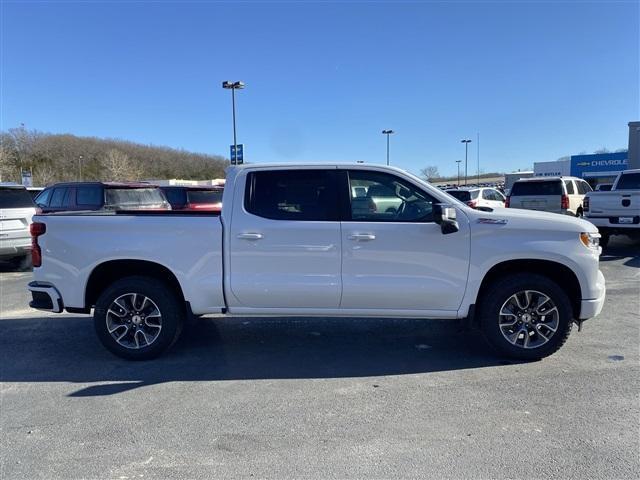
(321, 398)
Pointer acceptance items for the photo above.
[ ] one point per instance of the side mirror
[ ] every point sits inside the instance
(445, 216)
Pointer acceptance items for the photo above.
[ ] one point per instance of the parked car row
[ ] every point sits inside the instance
(18, 205)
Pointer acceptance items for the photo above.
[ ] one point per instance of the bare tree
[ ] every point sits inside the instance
(119, 167)
(430, 172)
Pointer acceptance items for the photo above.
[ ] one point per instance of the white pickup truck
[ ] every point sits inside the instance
(616, 212)
(297, 240)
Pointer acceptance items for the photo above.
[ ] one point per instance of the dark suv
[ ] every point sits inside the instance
(71, 196)
(194, 197)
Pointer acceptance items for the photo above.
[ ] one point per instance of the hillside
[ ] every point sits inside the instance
(55, 157)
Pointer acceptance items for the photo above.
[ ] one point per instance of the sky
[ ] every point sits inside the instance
(536, 80)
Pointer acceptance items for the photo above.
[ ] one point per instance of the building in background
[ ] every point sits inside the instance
(599, 168)
(634, 145)
(558, 168)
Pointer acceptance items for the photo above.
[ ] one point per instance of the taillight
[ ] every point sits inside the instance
(36, 229)
(507, 202)
(564, 203)
(585, 204)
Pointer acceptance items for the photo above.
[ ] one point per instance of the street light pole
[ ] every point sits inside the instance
(233, 86)
(388, 133)
(458, 162)
(80, 166)
(466, 142)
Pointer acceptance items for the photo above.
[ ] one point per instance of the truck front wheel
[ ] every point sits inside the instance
(525, 316)
(138, 318)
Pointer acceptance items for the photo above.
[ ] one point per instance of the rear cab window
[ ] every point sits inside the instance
(629, 181)
(543, 187)
(304, 195)
(15, 198)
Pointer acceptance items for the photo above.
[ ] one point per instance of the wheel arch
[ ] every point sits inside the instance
(108, 272)
(555, 271)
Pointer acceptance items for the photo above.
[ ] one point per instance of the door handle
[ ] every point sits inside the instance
(250, 236)
(362, 237)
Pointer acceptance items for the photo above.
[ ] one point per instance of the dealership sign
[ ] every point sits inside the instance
(598, 162)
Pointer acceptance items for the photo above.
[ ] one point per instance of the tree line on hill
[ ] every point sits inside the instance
(55, 158)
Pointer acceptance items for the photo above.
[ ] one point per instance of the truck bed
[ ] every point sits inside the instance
(76, 242)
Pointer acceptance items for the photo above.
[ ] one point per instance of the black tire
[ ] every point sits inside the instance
(172, 312)
(496, 296)
(604, 240)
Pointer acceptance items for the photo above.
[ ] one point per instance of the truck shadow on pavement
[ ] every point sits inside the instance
(622, 248)
(65, 349)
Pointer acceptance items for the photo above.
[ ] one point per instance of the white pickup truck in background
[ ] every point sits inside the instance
(616, 212)
(299, 240)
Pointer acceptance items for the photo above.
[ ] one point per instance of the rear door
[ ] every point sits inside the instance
(544, 195)
(284, 240)
(399, 259)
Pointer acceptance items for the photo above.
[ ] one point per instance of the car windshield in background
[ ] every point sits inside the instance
(630, 181)
(15, 198)
(133, 198)
(204, 196)
(463, 195)
(523, 189)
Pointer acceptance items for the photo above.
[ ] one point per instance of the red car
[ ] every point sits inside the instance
(202, 198)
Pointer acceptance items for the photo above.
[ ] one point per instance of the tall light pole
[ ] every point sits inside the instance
(458, 162)
(388, 133)
(80, 166)
(466, 142)
(233, 86)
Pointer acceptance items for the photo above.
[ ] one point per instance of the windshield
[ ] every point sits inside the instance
(204, 196)
(536, 188)
(132, 198)
(15, 198)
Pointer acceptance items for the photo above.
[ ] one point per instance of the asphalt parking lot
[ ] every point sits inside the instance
(330, 398)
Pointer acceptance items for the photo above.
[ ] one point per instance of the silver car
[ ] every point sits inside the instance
(16, 210)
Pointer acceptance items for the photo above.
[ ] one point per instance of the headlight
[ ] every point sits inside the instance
(590, 240)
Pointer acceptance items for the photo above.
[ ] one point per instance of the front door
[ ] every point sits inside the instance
(285, 240)
(394, 256)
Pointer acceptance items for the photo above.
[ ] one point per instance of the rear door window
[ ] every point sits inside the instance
(629, 181)
(305, 195)
(15, 198)
(533, 189)
(569, 185)
(57, 198)
(89, 196)
(204, 196)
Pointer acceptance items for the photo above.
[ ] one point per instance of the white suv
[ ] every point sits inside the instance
(550, 194)
(479, 198)
(16, 210)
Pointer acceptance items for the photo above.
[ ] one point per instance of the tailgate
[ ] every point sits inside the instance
(614, 204)
(546, 203)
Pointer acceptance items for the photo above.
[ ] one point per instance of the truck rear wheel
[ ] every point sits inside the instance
(525, 316)
(138, 318)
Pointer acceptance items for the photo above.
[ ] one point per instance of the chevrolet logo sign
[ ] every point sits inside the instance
(583, 164)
